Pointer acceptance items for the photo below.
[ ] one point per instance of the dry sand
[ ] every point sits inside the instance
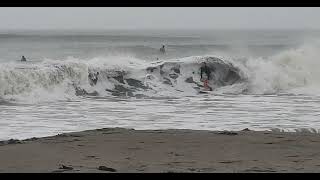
(124, 150)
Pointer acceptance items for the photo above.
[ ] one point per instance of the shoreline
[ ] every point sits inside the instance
(174, 150)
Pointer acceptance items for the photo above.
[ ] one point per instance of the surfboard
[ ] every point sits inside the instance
(203, 90)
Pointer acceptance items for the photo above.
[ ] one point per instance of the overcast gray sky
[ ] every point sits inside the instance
(158, 17)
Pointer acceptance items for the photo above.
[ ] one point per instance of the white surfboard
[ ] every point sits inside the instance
(204, 90)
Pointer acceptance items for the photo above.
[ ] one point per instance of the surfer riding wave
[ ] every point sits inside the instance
(205, 73)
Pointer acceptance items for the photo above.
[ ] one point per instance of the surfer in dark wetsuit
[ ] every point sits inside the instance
(205, 73)
(23, 58)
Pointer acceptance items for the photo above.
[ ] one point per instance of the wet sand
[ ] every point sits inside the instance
(125, 150)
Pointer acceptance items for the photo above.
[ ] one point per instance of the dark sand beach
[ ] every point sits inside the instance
(143, 151)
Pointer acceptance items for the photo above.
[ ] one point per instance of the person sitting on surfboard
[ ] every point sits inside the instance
(205, 75)
(23, 58)
(162, 49)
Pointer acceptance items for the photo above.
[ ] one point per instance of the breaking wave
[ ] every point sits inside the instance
(294, 71)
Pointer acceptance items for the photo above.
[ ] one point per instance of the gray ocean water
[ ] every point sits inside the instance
(278, 91)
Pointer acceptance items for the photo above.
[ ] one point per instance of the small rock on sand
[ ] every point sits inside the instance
(13, 141)
(65, 167)
(228, 133)
(104, 168)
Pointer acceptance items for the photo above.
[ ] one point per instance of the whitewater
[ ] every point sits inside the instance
(261, 81)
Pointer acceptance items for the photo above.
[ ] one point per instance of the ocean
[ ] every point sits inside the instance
(76, 80)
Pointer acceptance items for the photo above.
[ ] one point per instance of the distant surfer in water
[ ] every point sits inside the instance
(23, 58)
(162, 49)
(205, 75)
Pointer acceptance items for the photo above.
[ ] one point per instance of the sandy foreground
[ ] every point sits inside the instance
(125, 150)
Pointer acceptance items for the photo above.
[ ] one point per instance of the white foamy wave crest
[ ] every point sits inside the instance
(293, 71)
(43, 81)
(118, 75)
(52, 80)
